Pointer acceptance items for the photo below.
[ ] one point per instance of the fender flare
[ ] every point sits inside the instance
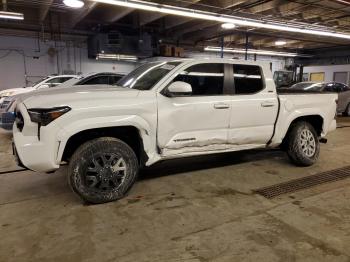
(146, 132)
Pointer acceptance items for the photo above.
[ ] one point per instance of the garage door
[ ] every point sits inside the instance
(341, 77)
(317, 77)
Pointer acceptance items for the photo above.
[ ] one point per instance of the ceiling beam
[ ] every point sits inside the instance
(199, 28)
(267, 6)
(147, 17)
(224, 4)
(44, 9)
(229, 3)
(82, 13)
(173, 21)
(116, 13)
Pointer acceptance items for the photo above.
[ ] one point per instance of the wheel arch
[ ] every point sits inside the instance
(135, 137)
(316, 121)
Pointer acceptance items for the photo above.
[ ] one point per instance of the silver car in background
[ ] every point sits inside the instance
(342, 90)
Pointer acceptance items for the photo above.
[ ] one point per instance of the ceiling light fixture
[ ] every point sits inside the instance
(280, 42)
(174, 10)
(11, 15)
(253, 51)
(228, 26)
(116, 57)
(74, 3)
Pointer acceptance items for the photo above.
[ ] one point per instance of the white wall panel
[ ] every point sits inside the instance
(328, 70)
(39, 63)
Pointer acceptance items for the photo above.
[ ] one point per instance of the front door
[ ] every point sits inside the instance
(197, 122)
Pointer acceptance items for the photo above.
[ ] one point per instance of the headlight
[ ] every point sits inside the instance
(45, 116)
(7, 94)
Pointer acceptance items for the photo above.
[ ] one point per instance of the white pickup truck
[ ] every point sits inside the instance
(165, 110)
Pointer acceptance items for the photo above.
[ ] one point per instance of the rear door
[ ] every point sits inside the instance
(197, 122)
(254, 107)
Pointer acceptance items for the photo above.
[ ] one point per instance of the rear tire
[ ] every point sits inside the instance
(303, 146)
(102, 170)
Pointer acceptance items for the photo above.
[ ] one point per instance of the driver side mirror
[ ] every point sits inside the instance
(179, 88)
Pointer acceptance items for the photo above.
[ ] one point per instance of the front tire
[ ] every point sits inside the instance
(303, 145)
(102, 170)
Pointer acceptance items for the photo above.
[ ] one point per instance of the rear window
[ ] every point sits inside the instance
(248, 79)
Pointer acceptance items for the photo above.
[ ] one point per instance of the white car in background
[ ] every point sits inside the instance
(49, 81)
(7, 107)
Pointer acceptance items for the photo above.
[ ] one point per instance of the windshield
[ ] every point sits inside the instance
(308, 86)
(70, 82)
(147, 76)
(39, 81)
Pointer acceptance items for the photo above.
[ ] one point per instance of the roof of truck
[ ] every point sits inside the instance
(221, 60)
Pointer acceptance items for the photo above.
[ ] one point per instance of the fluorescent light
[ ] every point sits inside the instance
(228, 26)
(11, 15)
(253, 51)
(173, 10)
(74, 3)
(116, 57)
(280, 42)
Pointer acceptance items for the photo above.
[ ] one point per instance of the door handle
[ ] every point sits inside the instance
(267, 104)
(221, 106)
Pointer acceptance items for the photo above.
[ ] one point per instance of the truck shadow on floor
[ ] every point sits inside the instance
(197, 163)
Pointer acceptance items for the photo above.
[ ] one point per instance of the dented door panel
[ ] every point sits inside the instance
(192, 123)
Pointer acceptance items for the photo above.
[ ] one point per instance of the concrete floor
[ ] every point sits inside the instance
(199, 209)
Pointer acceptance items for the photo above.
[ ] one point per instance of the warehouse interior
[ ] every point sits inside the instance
(238, 205)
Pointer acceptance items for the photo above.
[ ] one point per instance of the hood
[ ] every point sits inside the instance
(15, 91)
(84, 95)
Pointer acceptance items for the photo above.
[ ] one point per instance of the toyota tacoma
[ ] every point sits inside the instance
(166, 110)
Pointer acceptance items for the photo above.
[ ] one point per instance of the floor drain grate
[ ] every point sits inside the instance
(303, 183)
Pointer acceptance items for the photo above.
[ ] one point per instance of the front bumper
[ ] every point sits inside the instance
(36, 154)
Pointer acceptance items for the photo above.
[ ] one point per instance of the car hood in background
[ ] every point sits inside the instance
(85, 95)
(16, 91)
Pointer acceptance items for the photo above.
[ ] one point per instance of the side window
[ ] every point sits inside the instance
(97, 80)
(61, 79)
(114, 79)
(52, 81)
(330, 88)
(56, 81)
(205, 79)
(248, 79)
